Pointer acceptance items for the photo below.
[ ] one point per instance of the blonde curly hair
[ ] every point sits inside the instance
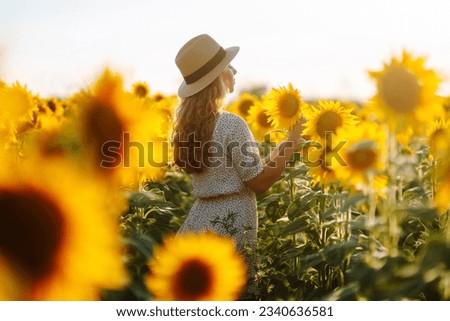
(194, 125)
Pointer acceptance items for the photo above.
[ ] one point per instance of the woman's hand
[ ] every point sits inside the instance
(276, 161)
(296, 130)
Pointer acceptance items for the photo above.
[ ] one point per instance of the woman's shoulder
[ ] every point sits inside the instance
(232, 118)
(232, 125)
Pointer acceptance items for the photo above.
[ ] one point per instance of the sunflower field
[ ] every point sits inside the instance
(90, 200)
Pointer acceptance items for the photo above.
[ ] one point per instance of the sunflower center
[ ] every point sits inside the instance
(245, 105)
(263, 120)
(361, 158)
(52, 105)
(158, 97)
(328, 122)
(288, 105)
(141, 91)
(193, 280)
(400, 90)
(31, 231)
(102, 125)
(438, 134)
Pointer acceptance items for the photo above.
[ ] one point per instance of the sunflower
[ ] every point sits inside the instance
(259, 121)
(16, 112)
(8, 135)
(55, 137)
(406, 94)
(58, 234)
(318, 160)
(197, 267)
(48, 112)
(160, 110)
(438, 138)
(11, 287)
(158, 96)
(325, 119)
(242, 105)
(164, 104)
(359, 156)
(17, 103)
(116, 128)
(141, 89)
(367, 112)
(283, 106)
(55, 106)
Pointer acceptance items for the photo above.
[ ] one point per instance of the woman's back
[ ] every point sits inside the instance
(234, 159)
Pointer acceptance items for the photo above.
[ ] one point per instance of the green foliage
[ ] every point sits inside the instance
(156, 211)
(316, 242)
(320, 243)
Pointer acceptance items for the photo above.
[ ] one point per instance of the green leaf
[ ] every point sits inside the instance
(142, 243)
(427, 214)
(297, 172)
(302, 204)
(348, 292)
(139, 200)
(297, 226)
(329, 212)
(414, 192)
(336, 253)
(274, 211)
(353, 201)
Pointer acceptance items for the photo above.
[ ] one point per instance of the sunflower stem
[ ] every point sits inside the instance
(447, 274)
(348, 229)
(393, 197)
(434, 165)
(447, 225)
(322, 210)
(291, 189)
(322, 267)
(292, 195)
(399, 188)
(371, 219)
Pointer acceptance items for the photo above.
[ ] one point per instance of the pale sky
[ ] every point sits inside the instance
(324, 47)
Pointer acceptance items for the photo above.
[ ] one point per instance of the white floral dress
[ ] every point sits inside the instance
(224, 203)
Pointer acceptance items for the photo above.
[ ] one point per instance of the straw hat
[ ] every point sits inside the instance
(201, 60)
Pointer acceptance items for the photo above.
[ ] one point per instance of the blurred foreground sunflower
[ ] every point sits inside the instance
(10, 287)
(118, 130)
(406, 94)
(58, 235)
(324, 120)
(197, 267)
(283, 106)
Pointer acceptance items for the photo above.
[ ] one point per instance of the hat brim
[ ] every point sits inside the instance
(187, 90)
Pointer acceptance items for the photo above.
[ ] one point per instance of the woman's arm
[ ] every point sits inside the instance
(275, 164)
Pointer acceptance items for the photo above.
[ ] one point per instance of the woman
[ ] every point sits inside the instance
(217, 148)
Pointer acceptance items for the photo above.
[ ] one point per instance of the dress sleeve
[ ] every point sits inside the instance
(244, 151)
